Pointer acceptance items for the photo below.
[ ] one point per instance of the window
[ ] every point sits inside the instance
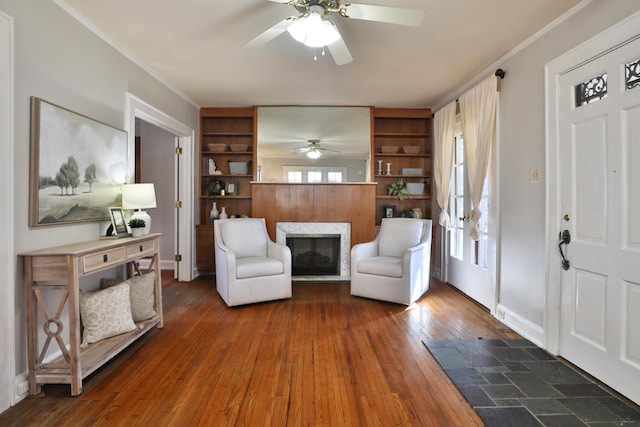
(294, 176)
(456, 202)
(592, 90)
(333, 176)
(632, 75)
(480, 248)
(314, 174)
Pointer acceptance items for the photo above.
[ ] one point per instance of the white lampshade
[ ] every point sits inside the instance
(139, 196)
(314, 30)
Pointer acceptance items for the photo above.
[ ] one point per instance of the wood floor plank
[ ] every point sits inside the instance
(321, 358)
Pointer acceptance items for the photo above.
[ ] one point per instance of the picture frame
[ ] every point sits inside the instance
(77, 166)
(231, 188)
(388, 211)
(118, 222)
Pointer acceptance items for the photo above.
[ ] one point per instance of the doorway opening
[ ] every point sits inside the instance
(184, 269)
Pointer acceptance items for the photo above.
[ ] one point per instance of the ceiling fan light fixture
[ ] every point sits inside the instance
(314, 30)
(314, 154)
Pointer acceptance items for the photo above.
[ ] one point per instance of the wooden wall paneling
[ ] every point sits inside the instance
(353, 203)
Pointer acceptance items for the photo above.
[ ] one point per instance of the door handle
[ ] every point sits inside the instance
(565, 239)
(464, 218)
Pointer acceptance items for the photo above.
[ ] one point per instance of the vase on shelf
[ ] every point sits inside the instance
(379, 167)
(214, 214)
(223, 214)
(388, 168)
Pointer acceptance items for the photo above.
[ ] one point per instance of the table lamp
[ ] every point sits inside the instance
(139, 196)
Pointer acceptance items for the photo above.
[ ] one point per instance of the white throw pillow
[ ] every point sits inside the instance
(106, 313)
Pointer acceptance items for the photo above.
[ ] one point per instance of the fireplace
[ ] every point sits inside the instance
(315, 255)
(325, 244)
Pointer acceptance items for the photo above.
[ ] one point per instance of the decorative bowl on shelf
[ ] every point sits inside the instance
(389, 149)
(217, 148)
(411, 149)
(239, 148)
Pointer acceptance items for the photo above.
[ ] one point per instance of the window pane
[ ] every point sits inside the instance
(334, 176)
(592, 90)
(632, 75)
(314, 176)
(294, 176)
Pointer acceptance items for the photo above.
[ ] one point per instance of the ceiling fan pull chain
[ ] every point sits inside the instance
(315, 53)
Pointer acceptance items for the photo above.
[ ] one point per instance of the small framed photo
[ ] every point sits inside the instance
(231, 188)
(118, 222)
(389, 211)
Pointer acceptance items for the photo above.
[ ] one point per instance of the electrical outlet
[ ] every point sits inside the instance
(500, 314)
(534, 175)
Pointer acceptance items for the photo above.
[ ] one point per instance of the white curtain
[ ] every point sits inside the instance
(443, 128)
(478, 111)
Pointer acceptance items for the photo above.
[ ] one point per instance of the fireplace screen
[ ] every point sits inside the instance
(314, 255)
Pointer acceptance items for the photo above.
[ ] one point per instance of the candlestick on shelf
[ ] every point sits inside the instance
(379, 167)
(388, 168)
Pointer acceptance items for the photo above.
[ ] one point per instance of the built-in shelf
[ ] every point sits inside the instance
(401, 127)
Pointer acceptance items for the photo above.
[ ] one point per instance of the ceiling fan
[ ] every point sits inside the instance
(312, 150)
(313, 28)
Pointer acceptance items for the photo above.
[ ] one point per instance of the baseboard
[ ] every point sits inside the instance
(21, 387)
(519, 324)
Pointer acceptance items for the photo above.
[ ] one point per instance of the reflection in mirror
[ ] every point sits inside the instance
(313, 144)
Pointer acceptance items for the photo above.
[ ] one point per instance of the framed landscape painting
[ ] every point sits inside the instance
(77, 166)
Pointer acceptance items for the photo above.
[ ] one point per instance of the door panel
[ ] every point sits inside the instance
(599, 182)
(468, 260)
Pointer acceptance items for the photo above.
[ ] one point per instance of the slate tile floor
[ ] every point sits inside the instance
(515, 383)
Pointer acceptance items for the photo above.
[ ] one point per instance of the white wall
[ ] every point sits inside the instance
(157, 147)
(61, 61)
(521, 278)
(7, 263)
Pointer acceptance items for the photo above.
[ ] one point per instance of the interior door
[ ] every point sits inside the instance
(599, 146)
(468, 260)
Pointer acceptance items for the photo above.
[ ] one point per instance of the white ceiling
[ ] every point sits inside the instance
(196, 47)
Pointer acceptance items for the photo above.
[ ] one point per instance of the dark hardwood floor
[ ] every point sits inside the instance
(322, 358)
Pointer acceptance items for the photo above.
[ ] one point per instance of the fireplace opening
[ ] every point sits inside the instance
(314, 255)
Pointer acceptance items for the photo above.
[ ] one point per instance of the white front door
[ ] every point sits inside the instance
(468, 261)
(599, 199)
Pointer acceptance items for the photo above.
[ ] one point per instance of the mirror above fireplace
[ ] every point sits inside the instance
(342, 133)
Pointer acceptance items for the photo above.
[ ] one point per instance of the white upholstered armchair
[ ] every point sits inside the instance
(250, 267)
(396, 266)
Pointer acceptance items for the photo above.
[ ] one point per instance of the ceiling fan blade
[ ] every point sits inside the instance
(300, 150)
(340, 52)
(390, 15)
(270, 34)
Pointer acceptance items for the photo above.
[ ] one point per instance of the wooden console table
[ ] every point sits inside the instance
(58, 270)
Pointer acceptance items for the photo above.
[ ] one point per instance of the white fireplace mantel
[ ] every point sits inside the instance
(288, 229)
